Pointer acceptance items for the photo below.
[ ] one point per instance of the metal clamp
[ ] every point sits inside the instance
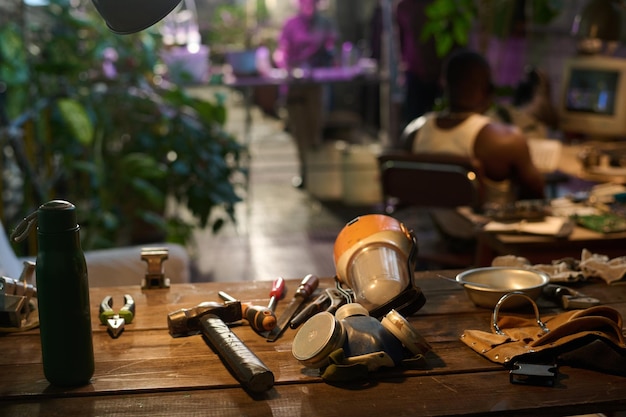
(494, 321)
(18, 301)
(155, 276)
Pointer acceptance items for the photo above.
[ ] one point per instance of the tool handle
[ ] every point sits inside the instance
(307, 286)
(278, 287)
(127, 312)
(246, 367)
(572, 303)
(106, 309)
(304, 315)
(276, 293)
(313, 308)
(260, 318)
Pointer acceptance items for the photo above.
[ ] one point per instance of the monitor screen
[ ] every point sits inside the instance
(592, 100)
(592, 91)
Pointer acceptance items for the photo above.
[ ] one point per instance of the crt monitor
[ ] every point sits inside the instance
(593, 97)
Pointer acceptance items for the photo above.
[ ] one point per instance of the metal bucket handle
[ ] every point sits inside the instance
(494, 321)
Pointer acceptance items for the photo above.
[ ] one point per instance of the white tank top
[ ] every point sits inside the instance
(458, 140)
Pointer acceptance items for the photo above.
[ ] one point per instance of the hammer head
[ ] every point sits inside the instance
(186, 321)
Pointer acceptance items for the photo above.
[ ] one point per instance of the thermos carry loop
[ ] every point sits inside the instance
(23, 229)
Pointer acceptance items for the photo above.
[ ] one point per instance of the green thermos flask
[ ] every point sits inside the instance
(63, 294)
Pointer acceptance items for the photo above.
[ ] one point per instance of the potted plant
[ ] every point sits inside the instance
(451, 21)
(115, 137)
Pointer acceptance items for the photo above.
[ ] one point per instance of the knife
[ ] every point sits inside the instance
(304, 291)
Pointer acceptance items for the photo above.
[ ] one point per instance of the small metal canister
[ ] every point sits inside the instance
(351, 328)
(318, 337)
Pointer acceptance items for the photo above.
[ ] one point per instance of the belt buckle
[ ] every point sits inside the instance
(534, 374)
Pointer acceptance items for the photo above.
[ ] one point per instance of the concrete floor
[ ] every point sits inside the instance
(281, 230)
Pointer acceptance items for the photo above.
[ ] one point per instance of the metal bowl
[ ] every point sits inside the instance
(485, 286)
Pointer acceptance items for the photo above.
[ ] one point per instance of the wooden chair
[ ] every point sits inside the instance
(439, 183)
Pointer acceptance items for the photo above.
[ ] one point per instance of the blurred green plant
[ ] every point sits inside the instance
(450, 22)
(233, 27)
(112, 135)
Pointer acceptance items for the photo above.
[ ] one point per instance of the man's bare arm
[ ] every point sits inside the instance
(504, 153)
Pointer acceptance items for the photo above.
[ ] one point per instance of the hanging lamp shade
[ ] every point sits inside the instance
(130, 16)
(597, 24)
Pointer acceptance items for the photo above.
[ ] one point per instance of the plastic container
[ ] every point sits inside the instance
(242, 62)
(323, 171)
(185, 65)
(360, 175)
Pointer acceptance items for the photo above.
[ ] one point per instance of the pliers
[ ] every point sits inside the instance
(330, 300)
(115, 321)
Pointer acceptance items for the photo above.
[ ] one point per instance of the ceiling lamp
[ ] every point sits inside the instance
(130, 16)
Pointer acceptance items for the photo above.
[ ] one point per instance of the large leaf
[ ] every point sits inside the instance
(14, 68)
(76, 117)
(141, 165)
(151, 194)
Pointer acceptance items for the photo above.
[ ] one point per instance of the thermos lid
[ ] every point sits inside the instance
(56, 216)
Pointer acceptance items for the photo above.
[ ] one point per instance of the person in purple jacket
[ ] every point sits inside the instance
(307, 40)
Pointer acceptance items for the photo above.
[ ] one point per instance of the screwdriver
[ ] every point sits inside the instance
(278, 288)
(260, 318)
(303, 292)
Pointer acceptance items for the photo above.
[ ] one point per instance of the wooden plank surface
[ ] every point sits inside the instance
(147, 372)
(478, 394)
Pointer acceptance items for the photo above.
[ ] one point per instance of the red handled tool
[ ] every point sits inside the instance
(304, 291)
(277, 292)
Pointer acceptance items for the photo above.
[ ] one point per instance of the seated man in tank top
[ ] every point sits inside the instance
(462, 129)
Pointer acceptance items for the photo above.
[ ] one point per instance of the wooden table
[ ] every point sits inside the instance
(570, 163)
(538, 249)
(545, 249)
(145, 372)
(316, 76)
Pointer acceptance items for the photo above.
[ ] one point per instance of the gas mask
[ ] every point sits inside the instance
(350, 344)
(375, 256)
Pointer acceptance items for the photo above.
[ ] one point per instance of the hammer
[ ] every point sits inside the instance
(209, 319)
(260, 318)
